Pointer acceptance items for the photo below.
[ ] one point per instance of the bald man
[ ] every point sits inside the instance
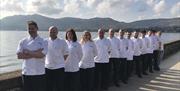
(55, 61)
(102, 61)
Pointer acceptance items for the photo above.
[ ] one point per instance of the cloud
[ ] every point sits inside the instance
(48, 7)
(11, 7)
(71, 8)
(175, 10)
(103, 8)
(160, 7)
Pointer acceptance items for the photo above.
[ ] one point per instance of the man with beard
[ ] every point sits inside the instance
(32, 50)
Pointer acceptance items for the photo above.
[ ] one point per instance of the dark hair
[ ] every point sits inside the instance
(74, 34)
(144, 31)
(32, 23)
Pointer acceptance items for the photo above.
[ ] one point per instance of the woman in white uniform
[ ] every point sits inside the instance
(72, 76)
(87, 63)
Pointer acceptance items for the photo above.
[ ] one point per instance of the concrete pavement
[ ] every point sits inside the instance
(168, 79)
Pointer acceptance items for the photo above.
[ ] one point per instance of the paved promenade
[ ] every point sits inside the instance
(168, 79)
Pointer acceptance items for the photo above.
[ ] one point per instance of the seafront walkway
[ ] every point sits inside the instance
(168, 79)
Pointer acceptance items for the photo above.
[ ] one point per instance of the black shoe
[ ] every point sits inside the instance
(144, 73)
(125, 82)
(139, 76)
(151, 71)
(117, 84)
(104, 89)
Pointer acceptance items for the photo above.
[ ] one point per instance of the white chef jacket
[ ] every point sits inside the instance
(55, 56)
(130, 49)
(144, 45)
(149, 45)
(89, 52)
(115, 45)
(155, 42)
(137, 46)
(74, 57)
(103, 48)
(33, 66)
(123, 48)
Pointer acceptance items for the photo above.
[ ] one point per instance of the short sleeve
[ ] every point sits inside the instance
(20, 47)
(65, 49)
(45, 47)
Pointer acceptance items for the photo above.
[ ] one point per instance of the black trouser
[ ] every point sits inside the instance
(123, 69)
(137, 60)
(156, 61)
(129, 67)
(115, 65)
(72, 81)
(149, 61)
(144, 62)
(34, 83)
(87, 79)
(101, 75)
(55, 79)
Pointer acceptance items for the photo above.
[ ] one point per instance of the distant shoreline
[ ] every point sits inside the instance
(76, 31)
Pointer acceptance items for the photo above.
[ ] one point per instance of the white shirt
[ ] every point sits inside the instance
(155, 42)
(144, 45)
(149, 45)
(74, 57)
(137, 46)
(123, 48)
(130, 49)
(115, 44)
(103, 48)
(162, 44)
(89, 52)
(55, 56)
(33, 66)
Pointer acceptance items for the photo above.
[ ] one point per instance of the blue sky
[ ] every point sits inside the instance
(121, 10)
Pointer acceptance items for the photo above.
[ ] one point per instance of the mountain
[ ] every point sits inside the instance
(18, 22)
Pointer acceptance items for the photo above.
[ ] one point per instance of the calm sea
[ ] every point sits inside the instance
(9, 41)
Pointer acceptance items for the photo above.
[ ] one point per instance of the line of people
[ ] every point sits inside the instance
(55, 64)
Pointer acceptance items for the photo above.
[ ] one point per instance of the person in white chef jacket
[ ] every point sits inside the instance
(161, 47)
(87, 64)
(137, 53)
(130, 52)
(55, 61)
(149, 51)
(72, 76)
(155, 43)
(102, 61)
(32, 50)
(144, 53)
(122, 56)
(114, 57)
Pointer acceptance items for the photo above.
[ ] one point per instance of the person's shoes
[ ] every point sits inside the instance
(157, 69)
(151, 71)
(144, 73)
(125, 82)
(139, 76)
(104, 89)
(117, 84)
